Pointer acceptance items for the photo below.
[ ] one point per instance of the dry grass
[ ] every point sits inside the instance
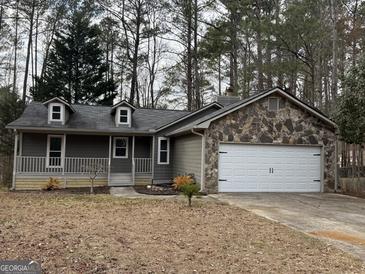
(102, 234)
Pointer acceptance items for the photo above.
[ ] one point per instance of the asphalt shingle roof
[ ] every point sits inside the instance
(98, 118)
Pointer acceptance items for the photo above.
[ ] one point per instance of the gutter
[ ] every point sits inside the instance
(202, 170)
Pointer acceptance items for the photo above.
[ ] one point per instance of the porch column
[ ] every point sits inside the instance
(109, 159)
(153, 156)
(64, 160)
(133, 162)
(14, 160)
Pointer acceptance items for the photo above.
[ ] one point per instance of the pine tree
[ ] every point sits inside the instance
(76, 70)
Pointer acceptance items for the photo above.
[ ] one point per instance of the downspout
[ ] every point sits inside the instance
(202, 170)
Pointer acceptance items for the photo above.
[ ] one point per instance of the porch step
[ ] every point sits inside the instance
(121, 179)
(143, 179)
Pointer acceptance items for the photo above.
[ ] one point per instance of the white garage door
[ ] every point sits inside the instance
(269, 168)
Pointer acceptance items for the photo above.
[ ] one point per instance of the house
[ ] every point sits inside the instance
(269, 142)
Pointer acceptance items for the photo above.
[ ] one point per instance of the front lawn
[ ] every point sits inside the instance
(102, 234)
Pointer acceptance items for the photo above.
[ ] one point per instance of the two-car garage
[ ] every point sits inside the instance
(269, 168)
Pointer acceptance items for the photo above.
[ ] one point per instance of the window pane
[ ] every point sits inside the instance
(55, 143)
(163, 157)
(123, 112)
(123, 119)
(120, 152)
(56, 109)
(120, 143)
(56, 116)
(163, 145)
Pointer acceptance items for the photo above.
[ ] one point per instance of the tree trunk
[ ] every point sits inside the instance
(196, 65)
(189, 76)
(30, 38)
(354, 29)
(134, 81)
(219, 76)
(36, 47)
(260, 74)
(16, 46)
(334, 50)
(233, 63)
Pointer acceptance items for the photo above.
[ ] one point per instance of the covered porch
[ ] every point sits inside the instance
(118, 160)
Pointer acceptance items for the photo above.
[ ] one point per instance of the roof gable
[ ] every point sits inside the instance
(122, 104)
(205, 122)
(60, 100)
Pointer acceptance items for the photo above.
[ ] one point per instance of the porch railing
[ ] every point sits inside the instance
(30, 164)
(143, 165)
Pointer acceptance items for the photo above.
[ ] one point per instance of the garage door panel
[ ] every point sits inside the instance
(265, 168)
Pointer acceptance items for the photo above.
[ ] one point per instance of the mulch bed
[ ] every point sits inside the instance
(166, 189)
(76, 190)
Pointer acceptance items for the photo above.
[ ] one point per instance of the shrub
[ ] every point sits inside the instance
(52, 184)
(189, 191)
(179, 181)
(186, 184)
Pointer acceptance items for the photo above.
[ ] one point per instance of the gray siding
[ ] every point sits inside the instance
(187, 156)
(143, 147)
(34, 144)
(165, 172)
(87, 146)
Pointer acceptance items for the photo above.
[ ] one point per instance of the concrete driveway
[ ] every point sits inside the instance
(337, 218)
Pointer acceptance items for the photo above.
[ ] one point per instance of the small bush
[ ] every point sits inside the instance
(179, 181)
(186, 184)
(189, 191)
(52, 184)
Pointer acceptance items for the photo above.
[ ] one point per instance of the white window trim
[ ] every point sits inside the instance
(62, 150)
(129, 117)
(50, 112)
(277, 103)
(159, 150)
(114, 147)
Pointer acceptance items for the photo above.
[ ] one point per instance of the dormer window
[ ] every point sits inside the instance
(123, 116)
(56, 112)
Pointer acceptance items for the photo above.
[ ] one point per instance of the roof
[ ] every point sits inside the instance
(213, 104)
(205, 121)
(96, 119)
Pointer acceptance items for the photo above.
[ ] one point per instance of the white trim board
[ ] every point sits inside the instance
(167, 151)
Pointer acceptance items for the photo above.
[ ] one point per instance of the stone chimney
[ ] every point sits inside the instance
(228, 98)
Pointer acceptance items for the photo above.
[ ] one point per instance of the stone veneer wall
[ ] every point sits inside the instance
(255, 124)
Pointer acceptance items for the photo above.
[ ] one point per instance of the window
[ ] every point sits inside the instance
(120, 147)
(54, 151)
(273, 104)
(163, 151)
(56, 112)
(124, 116)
